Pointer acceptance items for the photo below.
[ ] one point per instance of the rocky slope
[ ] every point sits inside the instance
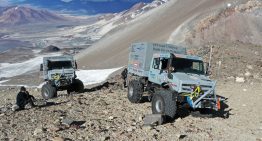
(104, 113)
(234, 22)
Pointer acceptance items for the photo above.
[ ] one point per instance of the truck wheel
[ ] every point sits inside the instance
(135, 91)
(48, 91)
(78, 86)
(164, 102)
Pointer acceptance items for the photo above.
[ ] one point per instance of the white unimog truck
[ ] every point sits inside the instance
(59, 74)
(171, 77)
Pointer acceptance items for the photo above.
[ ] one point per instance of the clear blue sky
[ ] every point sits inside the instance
(78, 6)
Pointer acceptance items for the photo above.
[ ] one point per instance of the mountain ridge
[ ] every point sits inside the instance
(20, 15)
(172, 22)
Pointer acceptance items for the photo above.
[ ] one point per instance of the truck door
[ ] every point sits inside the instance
(158, 70)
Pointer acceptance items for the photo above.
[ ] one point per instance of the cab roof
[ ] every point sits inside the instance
(184, 56)
(59, 58)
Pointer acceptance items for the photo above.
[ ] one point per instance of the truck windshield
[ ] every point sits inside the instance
(188, 66)
(59, 65)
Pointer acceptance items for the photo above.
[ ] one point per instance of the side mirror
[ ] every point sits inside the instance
(165, 85)
(170, 70)
(75, 65)
(41, 67)
(170, 76)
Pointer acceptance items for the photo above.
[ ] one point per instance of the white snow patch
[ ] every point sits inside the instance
(89, 77)
(15, 69)
(3, 81)
(10, 85)
(36, 51)
(13, 85)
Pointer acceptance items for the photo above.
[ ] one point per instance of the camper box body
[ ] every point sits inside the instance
(141, 55)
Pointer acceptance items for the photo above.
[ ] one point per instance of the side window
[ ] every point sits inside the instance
(164, 63)
(156, 63)
(197, 66)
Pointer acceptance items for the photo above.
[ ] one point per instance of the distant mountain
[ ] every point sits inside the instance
(18, 15)
(90, 7)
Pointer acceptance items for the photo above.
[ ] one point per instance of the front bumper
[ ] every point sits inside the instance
(205, 99)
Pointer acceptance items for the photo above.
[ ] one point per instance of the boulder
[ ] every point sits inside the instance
(58, 139)
(38, 131)
(153, 119)
(240, 79)
(51, 48)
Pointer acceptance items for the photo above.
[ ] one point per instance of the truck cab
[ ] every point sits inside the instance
(181, 74)
(178, 71)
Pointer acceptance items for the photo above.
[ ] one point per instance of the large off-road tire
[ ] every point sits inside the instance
(48, 91)
(164, 102)
(76, 86)
(135, 91)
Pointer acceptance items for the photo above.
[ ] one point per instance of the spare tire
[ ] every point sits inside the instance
(48, 91)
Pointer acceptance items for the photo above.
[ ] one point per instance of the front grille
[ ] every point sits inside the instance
(187, 87)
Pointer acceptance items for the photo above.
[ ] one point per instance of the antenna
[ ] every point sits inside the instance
(210, 57)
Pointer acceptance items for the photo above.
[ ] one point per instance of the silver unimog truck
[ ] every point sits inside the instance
(59, 74)
(171, 77)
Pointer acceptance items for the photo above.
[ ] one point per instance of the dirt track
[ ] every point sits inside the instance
(108, 115)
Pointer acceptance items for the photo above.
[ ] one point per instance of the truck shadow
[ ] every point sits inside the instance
(48, 104)
(183, 111)
(145, 99)
(104, 85)
(224, 112)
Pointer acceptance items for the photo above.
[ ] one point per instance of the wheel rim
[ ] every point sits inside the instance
(45, 94)
(131, 91)
(159, 106)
